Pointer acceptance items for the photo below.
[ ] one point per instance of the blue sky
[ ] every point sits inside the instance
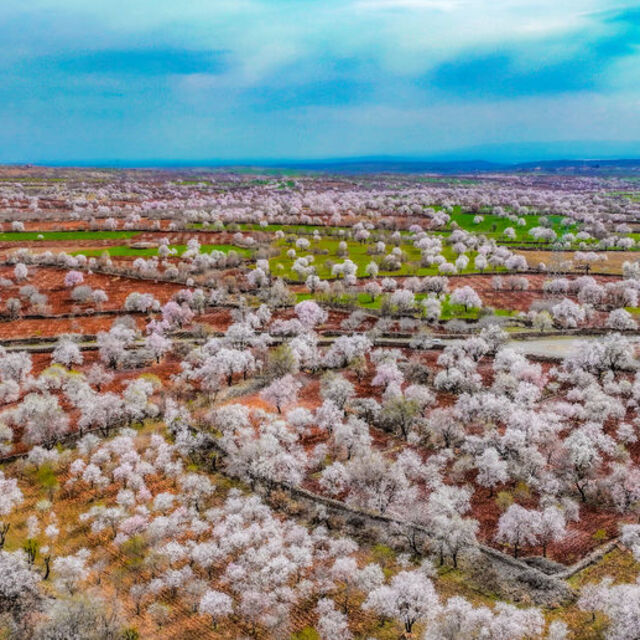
(153, 80)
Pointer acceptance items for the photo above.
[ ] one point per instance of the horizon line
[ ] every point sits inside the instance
(168, 163)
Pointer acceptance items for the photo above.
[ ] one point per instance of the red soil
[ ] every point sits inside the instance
(581, 538)
(51, 282)
(51, 327)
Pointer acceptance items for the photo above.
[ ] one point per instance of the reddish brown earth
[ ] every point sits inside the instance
(78, 225)
(51, 282)
(51, 327)
(582, 536)
(162, 371)
(217, 319)
(596, 524)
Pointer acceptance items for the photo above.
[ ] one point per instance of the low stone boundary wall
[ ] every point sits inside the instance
(492, 569)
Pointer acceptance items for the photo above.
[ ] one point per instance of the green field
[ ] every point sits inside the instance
(281, 265)
(325, 248)
(303, 229)
(449, 311)
(125, 250)
(632, 195)
(493, 226)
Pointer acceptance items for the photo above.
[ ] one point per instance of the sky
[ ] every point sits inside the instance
(135, 81)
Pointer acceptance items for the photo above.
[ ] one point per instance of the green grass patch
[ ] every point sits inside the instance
(618, 564)
(457, 311)
(308, 633)
(494, 226)
(327, 255)
(631, 195)
(125, 250)
(449, 311)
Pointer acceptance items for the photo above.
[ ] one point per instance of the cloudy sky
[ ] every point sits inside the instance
(190, 80)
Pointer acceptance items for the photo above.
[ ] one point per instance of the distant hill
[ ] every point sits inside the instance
(372, 165)
(399, 166)
(391, 165)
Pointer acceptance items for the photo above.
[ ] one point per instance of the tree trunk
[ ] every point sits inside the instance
(4, 529)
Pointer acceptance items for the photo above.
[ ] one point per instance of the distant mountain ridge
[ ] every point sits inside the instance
(373, 164)
(391, 165)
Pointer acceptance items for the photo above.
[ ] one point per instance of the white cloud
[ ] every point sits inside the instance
(386, 5)
(389, 46)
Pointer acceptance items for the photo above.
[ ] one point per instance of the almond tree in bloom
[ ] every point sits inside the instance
(492, 469)
(518, 527)
(67, 353)
(332, 624)
(112, 345)
(552, 527)
(158, 345)
(73, 279)
(310, 313)
(20, 272)
(281, 391)
(467, 297)
(621, 320)
(42, 418)
(216, 605)
(620, 603)
(10, 497)
(19, 592)
(409, 598)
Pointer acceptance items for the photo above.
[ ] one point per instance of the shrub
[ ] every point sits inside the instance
(504, 500)
(600, 535)
(308, 633)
